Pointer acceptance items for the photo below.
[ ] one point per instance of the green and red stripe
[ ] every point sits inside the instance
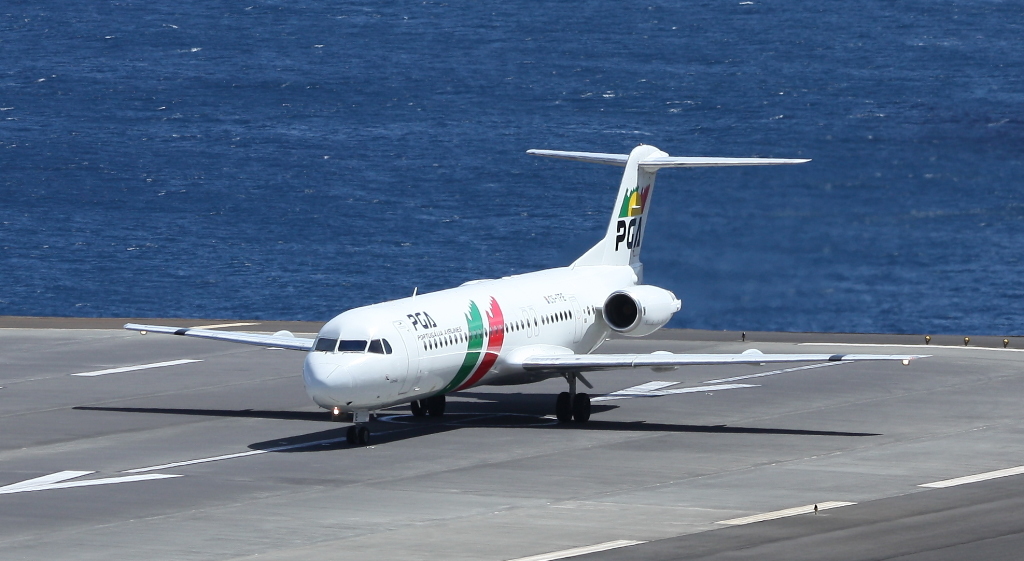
(472, 362)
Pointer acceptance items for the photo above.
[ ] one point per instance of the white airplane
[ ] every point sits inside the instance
(513, 330)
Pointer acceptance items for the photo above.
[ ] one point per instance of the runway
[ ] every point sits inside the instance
(117, 444)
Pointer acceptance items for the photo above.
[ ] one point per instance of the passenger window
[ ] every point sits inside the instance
(324, 344)
(351, 346)
(387, 346)
(376, 347)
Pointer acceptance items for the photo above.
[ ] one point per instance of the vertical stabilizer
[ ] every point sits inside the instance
(625, 233)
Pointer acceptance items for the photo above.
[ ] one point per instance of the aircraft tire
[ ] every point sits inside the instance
(581, 408)
(351, 436)
(435, 405)
(563, 407)
(418, 408)
(363, 436)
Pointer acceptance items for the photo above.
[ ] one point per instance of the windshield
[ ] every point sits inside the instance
(351, 346)
(325, 344)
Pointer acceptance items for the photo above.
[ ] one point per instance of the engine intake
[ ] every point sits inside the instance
(640, 310)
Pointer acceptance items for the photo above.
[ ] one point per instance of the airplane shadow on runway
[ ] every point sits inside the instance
(499, 410)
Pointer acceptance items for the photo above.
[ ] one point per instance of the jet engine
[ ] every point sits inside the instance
(639, 310)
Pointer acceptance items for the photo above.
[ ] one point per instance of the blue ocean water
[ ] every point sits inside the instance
(289, 160)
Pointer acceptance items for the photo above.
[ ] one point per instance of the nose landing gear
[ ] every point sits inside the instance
(572, 406)
(359, 434)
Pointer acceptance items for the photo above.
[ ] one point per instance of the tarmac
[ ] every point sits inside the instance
(226, 458)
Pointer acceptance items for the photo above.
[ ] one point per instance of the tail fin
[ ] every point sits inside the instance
(625, 234)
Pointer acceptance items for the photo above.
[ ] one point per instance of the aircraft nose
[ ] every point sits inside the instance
(316, 372)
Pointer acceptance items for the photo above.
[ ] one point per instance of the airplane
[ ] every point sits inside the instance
(518, 329)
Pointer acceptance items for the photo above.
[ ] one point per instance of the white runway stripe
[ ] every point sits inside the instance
(566, 553)
(242, 454)
(254, 452)
(806, 509)
(975, 478)
(137, 367)
(59, 480)
(774, 372)
(637, 391)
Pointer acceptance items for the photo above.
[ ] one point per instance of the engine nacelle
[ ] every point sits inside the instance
(639, 310)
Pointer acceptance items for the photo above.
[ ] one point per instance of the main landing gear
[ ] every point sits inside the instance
(433, 406)
(572, 406)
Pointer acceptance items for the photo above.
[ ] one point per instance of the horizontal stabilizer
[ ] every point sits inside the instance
(281, 341)
(683, 162)
(592, 157)
(655, 163)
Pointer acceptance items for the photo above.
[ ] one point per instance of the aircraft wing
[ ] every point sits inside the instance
(276, 340)
(555, 362)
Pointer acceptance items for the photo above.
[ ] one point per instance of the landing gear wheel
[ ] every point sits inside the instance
(358, 435)
(563, 407)
(418, 409)
(435, 405)
(581, 408)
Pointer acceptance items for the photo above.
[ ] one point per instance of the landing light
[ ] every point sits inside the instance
(143, 332)
(906, 361)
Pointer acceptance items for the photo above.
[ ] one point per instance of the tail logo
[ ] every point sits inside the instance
(634, 203)
(629, 227)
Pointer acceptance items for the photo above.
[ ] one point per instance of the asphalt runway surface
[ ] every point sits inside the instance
(226, 457)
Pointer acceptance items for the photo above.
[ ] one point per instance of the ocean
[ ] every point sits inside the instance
(290, 160)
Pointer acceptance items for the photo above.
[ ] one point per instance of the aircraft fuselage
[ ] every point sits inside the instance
(458, 338)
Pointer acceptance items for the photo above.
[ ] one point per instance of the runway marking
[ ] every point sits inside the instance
(238, 455)
(795, 511)
(774, 372)
(652, 389)
(576, 551)
(250, 453)
(974, 478)
(388, 418)
(912, 346)
(60, 479)
(138, 367)
(219, 325)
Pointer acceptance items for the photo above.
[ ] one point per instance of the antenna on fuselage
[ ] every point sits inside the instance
(414, 289)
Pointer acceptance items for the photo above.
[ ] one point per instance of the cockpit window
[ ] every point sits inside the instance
(376, 347)
(351, 346)
(324, 344)
(387, 346)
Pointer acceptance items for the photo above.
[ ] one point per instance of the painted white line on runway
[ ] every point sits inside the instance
(975, 478)
(635, 391)
(262, 451)
(566, 553)
(199, 461)
(796, 511)
(921, 347)
(138, 367)
(59, 480)
(249, 453)
(774, 372)
(219, 325)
